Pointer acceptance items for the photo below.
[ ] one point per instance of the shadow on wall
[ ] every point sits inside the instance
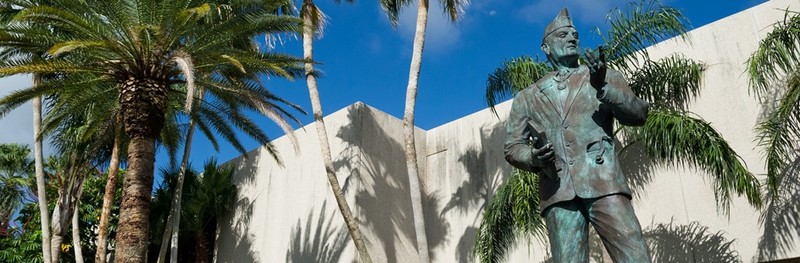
(677, 243)
(636, 166)
(235, 241)
(689, 243)
(781, 217)
(379, 177)
(327, 244)
(484, 174)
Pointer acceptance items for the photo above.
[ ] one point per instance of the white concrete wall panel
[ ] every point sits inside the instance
(288, 213)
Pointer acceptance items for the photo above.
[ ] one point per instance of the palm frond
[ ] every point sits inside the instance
(777, 54)
(669, 83)
(778, 134)
(675, 138)
(513, 76)
(392, 9)
(511, 213)
(641, 25)
(454, 8)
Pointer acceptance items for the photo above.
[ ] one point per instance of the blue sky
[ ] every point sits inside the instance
(363, 58)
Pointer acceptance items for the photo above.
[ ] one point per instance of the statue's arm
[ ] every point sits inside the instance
(626, 107)
(518, 133)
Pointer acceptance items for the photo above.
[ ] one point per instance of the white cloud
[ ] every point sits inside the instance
(17, 126)
(541, 12)
(440, 34)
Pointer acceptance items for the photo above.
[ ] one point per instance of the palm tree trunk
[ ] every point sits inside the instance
(408, 132)
(201, 247)
(66, 205)
(322, 135)
(57, 228)
(135, 208)
(170, 237)
(109, 194)
(76, 234)
(39, 167)
(143, 103)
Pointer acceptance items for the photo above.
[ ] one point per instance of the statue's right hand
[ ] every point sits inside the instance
(542, 156)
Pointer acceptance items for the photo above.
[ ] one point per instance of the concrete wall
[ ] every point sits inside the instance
(288, 213)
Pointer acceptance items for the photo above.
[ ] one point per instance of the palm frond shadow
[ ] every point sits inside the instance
(237, 240)
(325, 246)
(380, 185)
(781, 217)
(483, 177)
(677, 243)
(637, 167)
(689, 243)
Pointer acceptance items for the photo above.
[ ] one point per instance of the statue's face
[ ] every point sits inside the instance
(562, 45)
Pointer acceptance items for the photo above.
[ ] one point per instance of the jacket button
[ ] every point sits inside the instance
(568, 144)
(571, 162)
(566, 126)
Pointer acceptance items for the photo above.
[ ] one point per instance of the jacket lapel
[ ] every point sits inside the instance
(574, 94)
(548, 97)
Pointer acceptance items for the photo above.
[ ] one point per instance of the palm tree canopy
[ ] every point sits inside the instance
(184, 43)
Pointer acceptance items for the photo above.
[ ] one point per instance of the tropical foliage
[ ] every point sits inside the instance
(207, 196)
(149, 54)
(774, 70)
(16, 169)
(671, 136)
(24, 244)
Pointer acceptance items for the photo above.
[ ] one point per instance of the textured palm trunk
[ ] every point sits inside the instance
(408, 132)
(39, 167)
(201, 247)
(135, 208)
(58, 231)
(170, 237)
(66, 206)
(109, 194)
(76, 236)
(322, 135)
(143, 103)
(55, 246)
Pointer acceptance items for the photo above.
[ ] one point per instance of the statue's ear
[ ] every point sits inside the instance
(546, 49)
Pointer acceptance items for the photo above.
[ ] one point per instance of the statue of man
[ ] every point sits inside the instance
(562, 129)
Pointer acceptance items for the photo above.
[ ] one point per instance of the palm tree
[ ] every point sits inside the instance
(313, 21)
(144, 47)
(7, 11)
(208, 196)
(198, 113)
(453, 9)
(774, 70)
(671, 135)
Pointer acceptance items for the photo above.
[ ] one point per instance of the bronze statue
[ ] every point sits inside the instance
(562, 129)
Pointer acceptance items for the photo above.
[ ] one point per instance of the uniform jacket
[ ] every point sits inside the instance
(579, 124)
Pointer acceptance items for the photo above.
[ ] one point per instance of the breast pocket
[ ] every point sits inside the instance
(599, 151)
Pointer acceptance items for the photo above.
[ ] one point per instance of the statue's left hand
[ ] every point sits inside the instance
(597, 67)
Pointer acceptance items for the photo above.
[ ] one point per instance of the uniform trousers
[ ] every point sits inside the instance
(611, 216)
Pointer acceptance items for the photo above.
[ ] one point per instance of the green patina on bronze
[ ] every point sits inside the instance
(562, 128)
